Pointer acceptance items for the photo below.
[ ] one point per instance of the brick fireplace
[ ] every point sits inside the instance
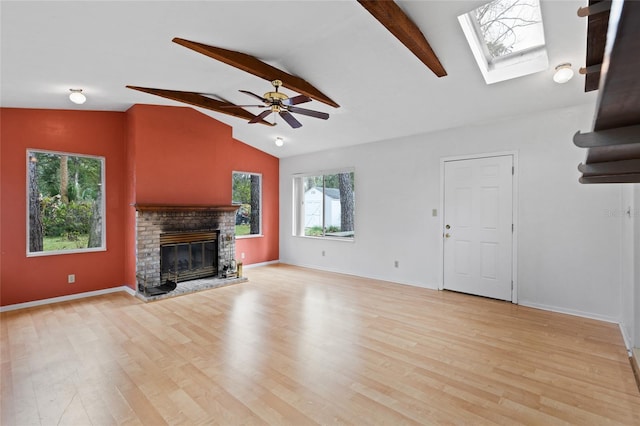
(189, 236)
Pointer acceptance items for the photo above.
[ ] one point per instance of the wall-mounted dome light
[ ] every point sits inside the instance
(77, 97)
(279, 141)
(563, 73)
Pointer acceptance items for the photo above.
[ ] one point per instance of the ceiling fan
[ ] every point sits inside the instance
(275, 101)
(283, 105)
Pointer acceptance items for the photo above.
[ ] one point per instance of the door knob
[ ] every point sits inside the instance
(447, 235)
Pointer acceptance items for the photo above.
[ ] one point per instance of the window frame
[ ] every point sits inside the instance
(513, 65)
(103, 201)
(298, 211)
(234, 203)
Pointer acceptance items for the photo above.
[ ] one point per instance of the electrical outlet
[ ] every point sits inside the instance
(242, 255)
(71, 278)
(323, 252)
(396, 264)
(434, 212)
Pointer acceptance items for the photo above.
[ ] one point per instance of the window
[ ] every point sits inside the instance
(65, 203)
(324, 205)
(506, 38)
(247, 193)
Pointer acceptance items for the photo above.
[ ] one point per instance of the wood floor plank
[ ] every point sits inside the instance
(298, 346)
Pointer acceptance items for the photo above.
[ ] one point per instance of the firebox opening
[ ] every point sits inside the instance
(188, 255)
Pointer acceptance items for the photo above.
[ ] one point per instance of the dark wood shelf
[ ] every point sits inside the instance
(184, 208)
(613, 146)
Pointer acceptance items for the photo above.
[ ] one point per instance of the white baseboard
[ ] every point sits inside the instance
(24, 305)
(124, 288)
(627, 340)
(573, 312)
(128, 289)
(370, 277)
(255, 265)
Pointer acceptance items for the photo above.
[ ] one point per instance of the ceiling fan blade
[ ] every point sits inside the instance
(260, 117)
(244, 106)
(196, 99)
(310, 113)
(300, 99)
(254, 95)
(290, 119)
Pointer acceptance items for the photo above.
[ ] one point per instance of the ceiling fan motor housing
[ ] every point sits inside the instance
(275, 96)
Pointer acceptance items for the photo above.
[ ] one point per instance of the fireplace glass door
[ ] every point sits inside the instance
(188, 260)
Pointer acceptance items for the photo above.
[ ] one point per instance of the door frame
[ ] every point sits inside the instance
(514, 210)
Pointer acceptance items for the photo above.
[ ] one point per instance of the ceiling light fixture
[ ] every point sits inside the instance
(279, 141)
(563, 73)
(77, 97)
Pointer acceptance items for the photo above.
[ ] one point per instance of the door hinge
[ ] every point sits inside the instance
(513, 227)
(513, 170)
(511, 285)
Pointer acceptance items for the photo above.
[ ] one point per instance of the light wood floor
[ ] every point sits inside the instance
(296, 346)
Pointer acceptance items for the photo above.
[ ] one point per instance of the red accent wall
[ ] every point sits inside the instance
(154, 154)
(181, 156)
(22, 278)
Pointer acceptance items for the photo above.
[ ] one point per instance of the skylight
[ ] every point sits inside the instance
(506, 38)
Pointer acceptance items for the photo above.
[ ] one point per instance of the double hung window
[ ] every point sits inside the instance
(65, 203)
(247, 194)
(324, 205)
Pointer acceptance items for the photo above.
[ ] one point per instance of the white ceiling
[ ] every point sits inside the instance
(384, 91)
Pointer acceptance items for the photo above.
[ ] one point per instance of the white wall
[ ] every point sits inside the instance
(568, 242)
(627, 264)
(636, 262)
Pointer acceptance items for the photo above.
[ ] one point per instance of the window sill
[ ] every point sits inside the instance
(242, 237)
(330, 238)
(72, 251)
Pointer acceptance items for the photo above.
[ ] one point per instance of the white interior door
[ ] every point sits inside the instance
(478, 219)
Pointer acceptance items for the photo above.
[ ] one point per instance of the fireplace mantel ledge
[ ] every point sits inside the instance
(184, 208)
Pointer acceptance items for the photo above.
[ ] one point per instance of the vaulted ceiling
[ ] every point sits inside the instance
(383, 89)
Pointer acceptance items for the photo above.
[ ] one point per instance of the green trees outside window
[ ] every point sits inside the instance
(325, 205)
(247, 192)
(65, 202)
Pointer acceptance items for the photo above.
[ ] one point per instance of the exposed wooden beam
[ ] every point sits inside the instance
(201, 101)
(611, 168)
(389, 14)
(617, 136)
(254, 66)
